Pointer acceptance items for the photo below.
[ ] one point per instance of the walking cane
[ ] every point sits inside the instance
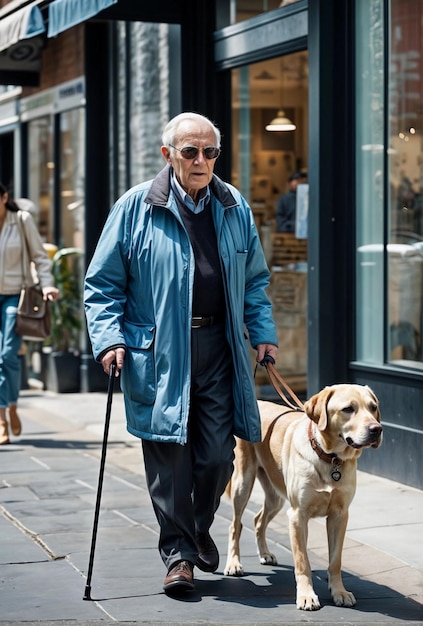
(87, 594)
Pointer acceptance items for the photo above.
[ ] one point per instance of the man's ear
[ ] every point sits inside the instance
(166, 153)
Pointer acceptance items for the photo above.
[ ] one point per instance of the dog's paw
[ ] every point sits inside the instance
(343, 598)
(234, 568)
(268, 559)
(309, 602)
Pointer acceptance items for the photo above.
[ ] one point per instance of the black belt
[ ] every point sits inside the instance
(200, 322)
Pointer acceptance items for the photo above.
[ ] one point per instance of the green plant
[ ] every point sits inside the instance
(66, 313)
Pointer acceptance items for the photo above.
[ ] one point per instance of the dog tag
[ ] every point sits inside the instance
(336, 474)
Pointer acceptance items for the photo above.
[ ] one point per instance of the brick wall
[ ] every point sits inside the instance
(62, 59)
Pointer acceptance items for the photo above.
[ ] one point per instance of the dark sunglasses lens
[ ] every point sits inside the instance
(211, 152)
(189, 152)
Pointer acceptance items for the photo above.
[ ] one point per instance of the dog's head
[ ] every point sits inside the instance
(347, 412)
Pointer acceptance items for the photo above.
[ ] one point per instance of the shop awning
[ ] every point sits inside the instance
(21, 42)
(63, 14)
(23, 24)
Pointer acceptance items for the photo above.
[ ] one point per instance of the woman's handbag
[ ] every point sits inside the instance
(33, 319)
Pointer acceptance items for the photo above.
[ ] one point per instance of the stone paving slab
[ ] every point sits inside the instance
(49, 590)
(48, 493)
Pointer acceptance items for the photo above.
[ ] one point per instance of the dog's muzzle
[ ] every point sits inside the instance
(373, 439)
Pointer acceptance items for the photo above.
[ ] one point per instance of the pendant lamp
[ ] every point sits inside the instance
(281, 123)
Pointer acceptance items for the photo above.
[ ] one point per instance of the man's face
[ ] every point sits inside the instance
(293, 184)
(192, 174)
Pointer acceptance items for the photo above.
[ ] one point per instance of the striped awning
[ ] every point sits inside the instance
(23, 24)
(63, 14)
(22, 38)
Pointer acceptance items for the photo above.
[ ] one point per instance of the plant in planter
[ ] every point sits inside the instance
(61, 358)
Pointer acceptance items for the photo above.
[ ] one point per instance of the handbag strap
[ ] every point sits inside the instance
(26, 265)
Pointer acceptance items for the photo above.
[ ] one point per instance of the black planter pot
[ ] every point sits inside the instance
(93, 377)
(60, 371)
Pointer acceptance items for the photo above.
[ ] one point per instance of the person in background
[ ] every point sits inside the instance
(287, 204)
(11, 279)
(177, 275)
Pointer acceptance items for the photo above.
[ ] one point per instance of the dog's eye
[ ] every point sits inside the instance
(348, 409)
(373, 408)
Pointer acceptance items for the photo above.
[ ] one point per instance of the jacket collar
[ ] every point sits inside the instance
(159, 191)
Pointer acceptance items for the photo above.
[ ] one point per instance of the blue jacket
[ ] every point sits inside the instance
(138, 294)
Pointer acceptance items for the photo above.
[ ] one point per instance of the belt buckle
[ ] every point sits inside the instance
(195, 325)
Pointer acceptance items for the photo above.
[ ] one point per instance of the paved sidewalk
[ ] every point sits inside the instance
(48, 485)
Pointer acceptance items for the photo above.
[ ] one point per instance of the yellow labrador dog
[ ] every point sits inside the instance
(308, 458)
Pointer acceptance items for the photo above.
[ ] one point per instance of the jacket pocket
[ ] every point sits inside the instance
(139, 372)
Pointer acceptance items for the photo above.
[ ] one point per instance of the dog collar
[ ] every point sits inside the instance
(328, 458)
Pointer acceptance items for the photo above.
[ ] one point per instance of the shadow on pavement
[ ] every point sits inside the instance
(275, 588)
(43, 443)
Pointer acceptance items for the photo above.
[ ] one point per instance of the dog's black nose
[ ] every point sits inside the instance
(375, 430)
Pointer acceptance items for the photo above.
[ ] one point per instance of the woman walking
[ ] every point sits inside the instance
(12, 273)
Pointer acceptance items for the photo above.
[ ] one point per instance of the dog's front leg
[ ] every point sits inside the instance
(336, 526)
(241, 486)
(307, 599)
(233, 564)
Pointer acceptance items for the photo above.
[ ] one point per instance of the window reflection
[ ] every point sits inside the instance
(389, 229)
(263, 162)
(246, 9)
(405, 247)
(72, 168)
(41, 173)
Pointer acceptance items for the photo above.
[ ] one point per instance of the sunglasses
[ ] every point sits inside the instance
(191, 152)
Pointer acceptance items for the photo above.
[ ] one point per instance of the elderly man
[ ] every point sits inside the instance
(177, 276)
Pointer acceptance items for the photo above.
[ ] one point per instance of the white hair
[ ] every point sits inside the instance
(170, 131)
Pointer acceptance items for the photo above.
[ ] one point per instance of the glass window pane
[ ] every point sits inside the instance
(369, 182)
(245, 9)
(72, 171)
(41, 173)
(148, 69)
(405, 237)
(262, 162)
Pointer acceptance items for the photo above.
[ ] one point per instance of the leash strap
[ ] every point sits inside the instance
(278, 383)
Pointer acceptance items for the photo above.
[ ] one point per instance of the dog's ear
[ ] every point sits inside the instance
(374, 397)
(316, 407)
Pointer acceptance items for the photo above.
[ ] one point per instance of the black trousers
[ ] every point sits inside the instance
(186, 482)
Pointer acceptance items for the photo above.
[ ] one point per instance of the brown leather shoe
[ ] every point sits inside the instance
(179, 578)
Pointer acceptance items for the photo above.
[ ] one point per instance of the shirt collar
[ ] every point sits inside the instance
(186, 198)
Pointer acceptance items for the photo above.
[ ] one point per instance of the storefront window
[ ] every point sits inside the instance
(142, 107)
(389, 175)
(405, 247)
(369, 180)
(263, 160)
(246, 9)
(72, 172)
(41, 173)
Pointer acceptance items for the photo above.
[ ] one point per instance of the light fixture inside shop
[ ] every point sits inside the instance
(281, 123)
